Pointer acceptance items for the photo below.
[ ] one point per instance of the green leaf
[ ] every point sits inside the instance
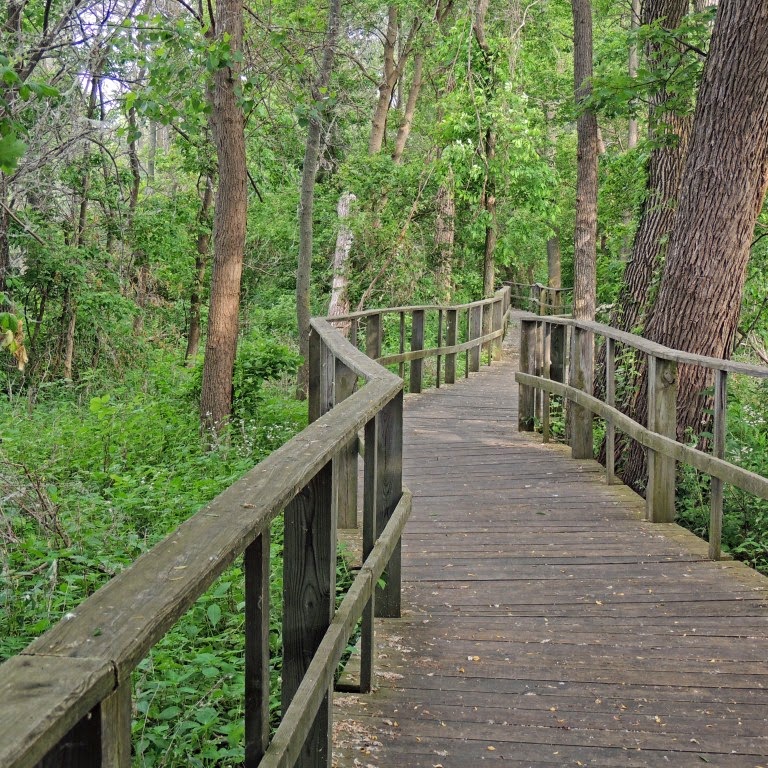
(11, 150)
(214, 614)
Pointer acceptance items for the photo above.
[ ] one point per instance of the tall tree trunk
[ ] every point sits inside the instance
(404, 131)
(671, 133)
(306, 196)
(227, 127)
(339, 303)
(721, 192)
(586, 171)
(5, 246)
(445, 223)
(488, 142)
(201, 263)
(554, 277)
(387, 84)
(633, 132)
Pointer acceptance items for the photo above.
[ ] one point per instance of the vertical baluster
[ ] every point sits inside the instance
(309, 579)
(389, 489)
(439, 344)
(256, 567)
(546, 372)
(718, 450)
(610, 399)
(401, 367)
(475, 331)
(370, 497)
(526, 404)
(582, 377)
(373, 336)
(345, 464)
(417, 344)
(451, 328)
(662, 400)
(498, 322)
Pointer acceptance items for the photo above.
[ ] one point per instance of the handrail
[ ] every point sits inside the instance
(69, 691)
(543, 359)
(541, 299)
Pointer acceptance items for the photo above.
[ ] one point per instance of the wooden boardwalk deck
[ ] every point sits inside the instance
(544, 623)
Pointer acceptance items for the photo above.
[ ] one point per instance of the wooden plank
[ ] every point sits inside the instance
(257, 577)
(116, 728)
(345, 462)
(527, 362)
(439, 362)
(417, 344)
(373, 332)
(309, 579)
(389, 483)
(718, 450)
(582, 367)
(44, 699)
(321, 372)
(451, 331)
(662, 419)
(610, 400)
(475, 332)
(421, 354)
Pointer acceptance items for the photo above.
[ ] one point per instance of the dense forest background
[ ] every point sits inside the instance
(182, 184)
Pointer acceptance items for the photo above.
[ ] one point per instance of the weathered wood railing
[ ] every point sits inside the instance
(540, 299)
(468, 328)
(545, 354)
(66, 699)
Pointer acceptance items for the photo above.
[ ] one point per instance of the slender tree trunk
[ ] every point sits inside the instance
(488, 142)
(633, 132)
(201, 264)
(5, 247)
(306, 196)
(445, 223)
(227, 127)
(404, 131)
(586, 171)
(554, 278)
(721, 193)
(339, 304)
(387, 84)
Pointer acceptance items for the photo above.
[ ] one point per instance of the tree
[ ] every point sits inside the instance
(227, 127)
(306, 198)
(722, 189)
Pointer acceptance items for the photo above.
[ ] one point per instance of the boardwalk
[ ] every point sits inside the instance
(544, 623)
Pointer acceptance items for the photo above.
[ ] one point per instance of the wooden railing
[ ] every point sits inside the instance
(546, 354)
(396, 336)
(66, 699)
(541, 299)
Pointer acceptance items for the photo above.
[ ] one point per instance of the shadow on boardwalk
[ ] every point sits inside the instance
(544, 623)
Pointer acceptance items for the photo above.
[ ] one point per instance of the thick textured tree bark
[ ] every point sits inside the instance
(201, 263)
(227, 127)
(586, 167)
(339, 303)
(671, 133)
(721, 193)
(307, 192)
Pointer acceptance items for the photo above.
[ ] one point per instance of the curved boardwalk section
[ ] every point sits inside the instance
(544, 622)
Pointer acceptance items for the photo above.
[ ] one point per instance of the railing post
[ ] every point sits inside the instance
(373, 336)
(388, 468)
(526, 400)
(536, 299)
(582, 377)
(439, 361)
(662, 401)
(475, 330)
(401, 347)
(417, 343)
(451, 329)
(321, 375)
(345, 463)
(547, 373)
(718, 450)
(610, 399)
(557, 353)
(102, 739)
(309, 585)
(257, 574)
(497, 324)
